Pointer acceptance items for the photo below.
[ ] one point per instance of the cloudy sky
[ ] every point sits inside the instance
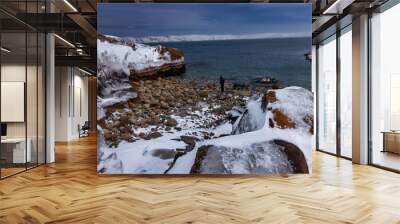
(152, 19)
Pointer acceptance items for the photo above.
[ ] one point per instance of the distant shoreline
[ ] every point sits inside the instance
(178, 39)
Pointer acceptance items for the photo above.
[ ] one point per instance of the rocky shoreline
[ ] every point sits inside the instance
(191, 113)
(160, 101)
(153, 121)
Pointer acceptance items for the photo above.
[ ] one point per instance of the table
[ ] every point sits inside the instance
(13, 150)
(391, 141)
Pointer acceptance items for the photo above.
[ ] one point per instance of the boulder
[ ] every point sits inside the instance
(109, 163)
(152, 135)
(169, 69)
(274, 157)
(107, 134)
(164, 153)
(190, 142)
(154, 103)
(126, 136)
(152, 121)
(309, 120)
(164, 105)
(270, 96)
(215, 164)
(124, 117)
(282, 120)
(294, 155)
(203, 93)
(171, 122)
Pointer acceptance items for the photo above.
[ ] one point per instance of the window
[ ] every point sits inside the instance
(346, 92)
(385, 89)
(22, 77)
(327, 95)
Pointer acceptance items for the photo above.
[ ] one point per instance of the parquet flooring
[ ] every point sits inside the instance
(70, 191)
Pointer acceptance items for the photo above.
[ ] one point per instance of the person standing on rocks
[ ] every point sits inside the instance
(222, 83)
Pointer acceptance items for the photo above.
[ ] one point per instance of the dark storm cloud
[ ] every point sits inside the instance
(152, 19)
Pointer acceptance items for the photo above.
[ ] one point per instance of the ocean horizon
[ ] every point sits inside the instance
(243, 60)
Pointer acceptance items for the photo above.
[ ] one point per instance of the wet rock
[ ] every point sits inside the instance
(154, 103)
(294, 155)
(153, 135)
(160, 98)
(171, 122)
(248, 121)
(127, 136)
(271, 123)
(203, 93)
(164, 105)
(270, 96)
(190, 142)
(124, 118)
(282, 121)
(152, 121)
(164, 153)
(309, 120)
(142, 135)
(274, 157)
(109, 163)
(216, 165)
(124, 129)
(107, 134)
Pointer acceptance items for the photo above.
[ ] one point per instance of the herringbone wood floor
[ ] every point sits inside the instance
(70, 191)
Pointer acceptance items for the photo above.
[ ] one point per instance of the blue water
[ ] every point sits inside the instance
(244, 60)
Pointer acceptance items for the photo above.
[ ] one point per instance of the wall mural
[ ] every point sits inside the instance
(204, 88)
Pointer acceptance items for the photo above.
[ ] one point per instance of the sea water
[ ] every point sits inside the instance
(244, 60)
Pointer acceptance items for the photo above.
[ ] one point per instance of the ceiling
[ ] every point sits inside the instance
(75, 22)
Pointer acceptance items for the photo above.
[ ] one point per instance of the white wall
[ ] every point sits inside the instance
(62, 81)
(70, 83)
(10, 73)
(33, 126)
(81, 89)
(17, 73)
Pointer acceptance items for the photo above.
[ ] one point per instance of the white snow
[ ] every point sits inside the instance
(250, 152)
(253, 118)
(296, 102)
(115, 61)
(257, 115)
(137, 157)
(120, 58)
(240, 155)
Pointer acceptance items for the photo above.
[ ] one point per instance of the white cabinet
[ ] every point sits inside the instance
(19, 155)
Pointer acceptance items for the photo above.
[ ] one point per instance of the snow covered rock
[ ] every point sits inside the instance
(121, 60)
(107, 160)
(123, 56)
(253, 118)
(291, 107)
(270, 157)
(281, 145)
